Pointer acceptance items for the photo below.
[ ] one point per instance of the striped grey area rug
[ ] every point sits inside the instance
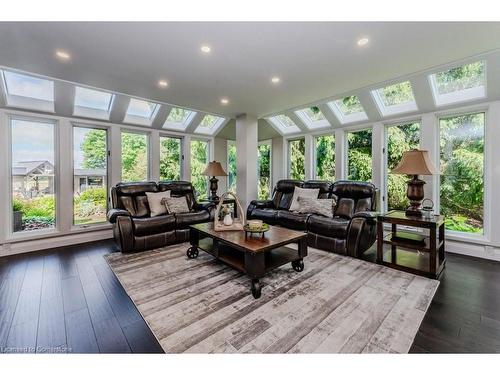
(336, 305)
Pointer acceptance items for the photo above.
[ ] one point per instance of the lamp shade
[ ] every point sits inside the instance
(214, 169)
(415, 162)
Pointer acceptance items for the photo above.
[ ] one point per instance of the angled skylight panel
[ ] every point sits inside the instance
(179, 119)
(284, 124)
(141, 112)
(209, 125)
(348, 109)
(25, 91)
(312, 118)
(460, 84)
(92, 103)
(395, 99)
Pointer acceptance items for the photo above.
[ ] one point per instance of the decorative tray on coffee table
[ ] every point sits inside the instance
(262, 229)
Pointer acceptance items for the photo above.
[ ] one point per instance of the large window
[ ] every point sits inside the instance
(325, 157)
(141, 112)
(26, 91)
(135, 158)
(231, 166)
(199, 160)
(359, 155)
(296, 162)
(209, 125)
(33, 175)
(89, 175)
(170, 158)
(394, 99)
(462, 172)
(348, 109)
(92, 103)
(264, 170)
(400, 138)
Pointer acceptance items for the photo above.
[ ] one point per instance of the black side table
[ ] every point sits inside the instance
(419, 253)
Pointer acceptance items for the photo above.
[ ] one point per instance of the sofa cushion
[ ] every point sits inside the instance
(363, 205)
(153, 225)
(283, 193)
(300, 192)
(324, 207)
(324, 187)
(176, 205)
(267, 215)
(155, 202)
(293, 220)
(330, 227)
(345, 208)
(186, 219)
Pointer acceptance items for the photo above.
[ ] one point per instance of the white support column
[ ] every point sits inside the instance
(378, 162)
(64, 180)
(220, 155)
(309, 157)
(115, 158)
(5, 206)
(492, 174)
(340, 155)
(278, 161)
(246, 165)
(429, 140)
(154, 156)
(186, 162)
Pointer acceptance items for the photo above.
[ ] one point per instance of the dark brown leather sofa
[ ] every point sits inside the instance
(133, 227)
(351, 230)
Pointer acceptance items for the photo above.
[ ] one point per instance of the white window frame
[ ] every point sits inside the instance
(139, 120)
(210, 131)
(108, 174)
(11, 235)
(315, 154)
(179, 126)
(395, 109)
(148, 144)
(309, 123)
(280, 127)
(288, 154)
(271, 184)
(181, 157)
(210, 156)
(230, 143)
(350, 118)
(345, 146)
(93, 113)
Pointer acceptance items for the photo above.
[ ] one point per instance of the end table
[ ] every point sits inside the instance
(409, 249)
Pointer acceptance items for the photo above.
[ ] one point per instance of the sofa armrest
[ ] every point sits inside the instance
(262, 203)
(369, 216)
(204, 206)
(361, 233)
(114, 213)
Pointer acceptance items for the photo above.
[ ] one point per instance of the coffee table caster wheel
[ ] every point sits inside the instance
(192, 252)
(298, 265)
(256, 288)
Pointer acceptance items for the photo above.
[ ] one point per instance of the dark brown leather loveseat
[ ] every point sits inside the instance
(133, 227)
(351, 230)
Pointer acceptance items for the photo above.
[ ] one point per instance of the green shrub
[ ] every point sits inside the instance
(17, 205)
(90, 203)
(40, 207)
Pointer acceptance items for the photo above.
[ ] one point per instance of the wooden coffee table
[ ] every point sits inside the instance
(254, 256)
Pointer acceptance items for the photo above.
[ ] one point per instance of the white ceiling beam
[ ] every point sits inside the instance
(64, 98)
(119, 109)
(297, 120)
(423, 93)
(224, 123)
(195, 122)
(161, 116)
(371, 110)
(329, 115)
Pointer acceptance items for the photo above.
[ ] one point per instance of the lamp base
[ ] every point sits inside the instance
(415, 194)
(213, 190)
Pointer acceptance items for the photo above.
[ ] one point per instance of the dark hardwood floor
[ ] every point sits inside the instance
(69, 300)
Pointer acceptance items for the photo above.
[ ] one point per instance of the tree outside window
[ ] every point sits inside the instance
(359, 155)
(264, 171)
(170, 158)
(296, 154)
(325, 157)
(199, 160)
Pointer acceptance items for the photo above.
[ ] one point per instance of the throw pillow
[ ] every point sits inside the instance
(306, 193)
(324, 207)
(155, 202)
(176, 205)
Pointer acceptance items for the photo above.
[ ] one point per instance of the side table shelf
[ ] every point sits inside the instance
(419, 254)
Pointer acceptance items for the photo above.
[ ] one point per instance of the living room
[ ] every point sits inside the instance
(249, 187)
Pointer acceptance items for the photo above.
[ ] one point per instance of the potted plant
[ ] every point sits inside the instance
(17, 208)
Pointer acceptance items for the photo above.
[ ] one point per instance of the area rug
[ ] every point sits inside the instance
(337, 304)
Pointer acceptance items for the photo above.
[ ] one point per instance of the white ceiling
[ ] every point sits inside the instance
(314, 60)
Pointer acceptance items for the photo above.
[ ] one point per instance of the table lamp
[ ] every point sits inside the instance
(214, 168)
(415, 162)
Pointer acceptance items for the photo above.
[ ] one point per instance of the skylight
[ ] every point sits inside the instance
(141, 112)
(209, 125)
(466, 82)
(284, 124)
(27, 91)
(179, 119)
(92, 103)
(348, 109)
(312, 118)
(394, 99)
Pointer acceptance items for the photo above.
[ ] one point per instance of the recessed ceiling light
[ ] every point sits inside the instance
(275, 80)
(63, 55)
(224, 101)
(205, 49)
(162, 83)
(363, 41)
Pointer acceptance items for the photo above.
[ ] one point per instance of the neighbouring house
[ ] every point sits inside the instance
(33, 178)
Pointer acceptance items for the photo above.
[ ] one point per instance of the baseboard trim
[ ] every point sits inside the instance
(53, 242)
(473, 250)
